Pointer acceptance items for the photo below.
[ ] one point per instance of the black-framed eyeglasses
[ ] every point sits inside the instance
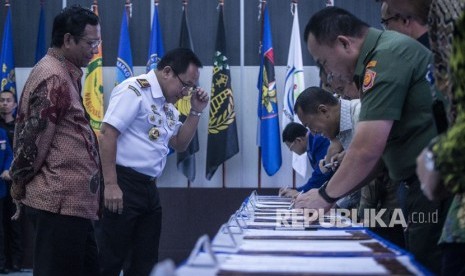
(385, 21)
(186, 87)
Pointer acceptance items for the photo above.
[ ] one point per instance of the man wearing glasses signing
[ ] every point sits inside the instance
(140, 125)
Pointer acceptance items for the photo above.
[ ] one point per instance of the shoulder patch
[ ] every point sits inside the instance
(371, 64)
(134, 89)
(143, 83)
(368, 80)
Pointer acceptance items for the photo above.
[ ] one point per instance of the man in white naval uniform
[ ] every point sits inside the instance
(140, 124)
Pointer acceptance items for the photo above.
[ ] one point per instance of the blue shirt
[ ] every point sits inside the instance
(6, 156)
(317, 147)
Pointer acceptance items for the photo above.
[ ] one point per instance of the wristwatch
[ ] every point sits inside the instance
(324, 195)
(195, 113)
(429, 161)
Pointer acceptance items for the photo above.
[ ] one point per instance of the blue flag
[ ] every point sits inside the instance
(156, 50)
(41, 48)
(124, 60)
(7, 58)
(269, 136)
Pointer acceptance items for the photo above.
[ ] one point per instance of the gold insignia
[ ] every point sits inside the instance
(143, 83)
(371, 64)
(134, 89)
(368, 80)
(222, 111)
(154, 133)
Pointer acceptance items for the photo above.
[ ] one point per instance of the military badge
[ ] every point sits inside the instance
(368, 80)
(154, 108)
(154, 133)
(169, 116)
(143, 83)
(155, 119)
(371, 64)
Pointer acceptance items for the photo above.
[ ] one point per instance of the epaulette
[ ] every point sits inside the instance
(143, 83)
(134, 89)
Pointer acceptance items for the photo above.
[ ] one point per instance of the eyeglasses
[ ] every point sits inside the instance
(385, 21)
(186, 88)
(92, 43)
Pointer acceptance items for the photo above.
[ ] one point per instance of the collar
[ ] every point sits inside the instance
(154, 84)
(74, 71)
(371, 40)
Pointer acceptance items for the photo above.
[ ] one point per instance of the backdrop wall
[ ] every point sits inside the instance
(241, 170)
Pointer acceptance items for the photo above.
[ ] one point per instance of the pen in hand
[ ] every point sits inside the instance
(293, 200)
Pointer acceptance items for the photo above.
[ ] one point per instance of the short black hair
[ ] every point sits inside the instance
(179, 59)
(9, 91)
(73, 20)
(292, 131)
(331, 22)
(312, 97)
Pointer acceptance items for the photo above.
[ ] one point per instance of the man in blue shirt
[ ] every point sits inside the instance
(6, 156)
(300, 140)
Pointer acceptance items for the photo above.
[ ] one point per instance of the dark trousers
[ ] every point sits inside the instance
(425, 220)
(13, 233)
(136, 230)
(63, 245)
(453, 262)
(2, 237)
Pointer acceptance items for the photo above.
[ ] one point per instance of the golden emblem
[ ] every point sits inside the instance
(154, 133)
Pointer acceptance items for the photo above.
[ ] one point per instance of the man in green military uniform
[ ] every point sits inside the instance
(396, 121)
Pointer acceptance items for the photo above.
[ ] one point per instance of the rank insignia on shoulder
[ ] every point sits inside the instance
(368, 80)
(143, 83)
(371, 64)
(134, 89)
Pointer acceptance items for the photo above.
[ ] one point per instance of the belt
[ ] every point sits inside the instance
(137, 175)
(409, 181)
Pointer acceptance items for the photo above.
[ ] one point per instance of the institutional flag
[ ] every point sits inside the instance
(7, 58)
(93, 87)
(186, 159)
(222, 130)
(269, 134)
(293, 86)
(41, 48)
(124, 60)
(156, 49)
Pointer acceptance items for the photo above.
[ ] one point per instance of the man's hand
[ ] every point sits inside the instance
(199, 100)
(113, 198)
(5, 175)
(312, 200)
(288, 192)
(430, 180)
(17, 213)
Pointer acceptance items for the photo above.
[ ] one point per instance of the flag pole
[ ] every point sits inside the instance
(294, 4)
(223, 167)
(184, 8)
(262, 23)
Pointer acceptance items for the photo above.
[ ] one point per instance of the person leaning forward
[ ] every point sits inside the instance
(56, 169)
(395, 122)
(140, 125)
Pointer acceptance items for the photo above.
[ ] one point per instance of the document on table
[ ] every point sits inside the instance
(303, 246)
(242, 265)
(319, 234)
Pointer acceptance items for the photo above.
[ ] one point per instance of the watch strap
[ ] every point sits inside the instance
(324, 195)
